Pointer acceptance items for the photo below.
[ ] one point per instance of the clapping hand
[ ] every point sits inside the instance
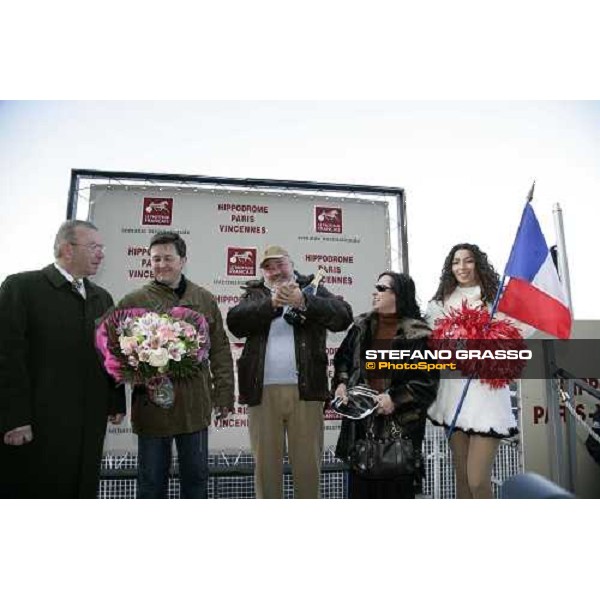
(289, 294)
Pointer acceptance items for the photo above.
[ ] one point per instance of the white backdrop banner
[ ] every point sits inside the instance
(225, 232)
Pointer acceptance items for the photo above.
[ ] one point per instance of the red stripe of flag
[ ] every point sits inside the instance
(527, 303)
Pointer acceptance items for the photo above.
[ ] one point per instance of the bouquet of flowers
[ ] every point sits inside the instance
(139, 346)
(469, 328)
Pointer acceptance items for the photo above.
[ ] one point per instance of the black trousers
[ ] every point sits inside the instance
(359, 487)
(14, 462)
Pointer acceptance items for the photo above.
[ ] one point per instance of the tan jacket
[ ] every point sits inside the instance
(194, 397)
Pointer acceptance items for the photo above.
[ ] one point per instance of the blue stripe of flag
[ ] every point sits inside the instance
(529, 250)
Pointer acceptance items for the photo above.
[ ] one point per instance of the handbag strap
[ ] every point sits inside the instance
(395, 429)
(370, 430)
(390, 429)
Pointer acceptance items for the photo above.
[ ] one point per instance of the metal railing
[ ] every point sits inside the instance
(231, 474)
(567, 469)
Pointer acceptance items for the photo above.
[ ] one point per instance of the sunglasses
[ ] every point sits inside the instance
(382, 288)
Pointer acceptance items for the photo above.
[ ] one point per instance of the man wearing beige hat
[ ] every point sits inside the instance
(282, 373)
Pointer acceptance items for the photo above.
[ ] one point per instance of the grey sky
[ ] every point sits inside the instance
(466, 166)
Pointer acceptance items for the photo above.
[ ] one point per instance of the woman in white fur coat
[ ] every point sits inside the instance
(486, 416)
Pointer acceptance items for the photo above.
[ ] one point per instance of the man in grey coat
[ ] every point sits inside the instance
(55, 397)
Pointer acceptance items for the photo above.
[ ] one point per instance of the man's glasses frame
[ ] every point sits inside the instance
(91, 247)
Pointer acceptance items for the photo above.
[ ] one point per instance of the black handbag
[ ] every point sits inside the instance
(384, 454)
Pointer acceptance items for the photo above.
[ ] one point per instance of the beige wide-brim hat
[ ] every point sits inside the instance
(273, 252)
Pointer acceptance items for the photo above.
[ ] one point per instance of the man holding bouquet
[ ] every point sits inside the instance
(55, 397)
(211, 386)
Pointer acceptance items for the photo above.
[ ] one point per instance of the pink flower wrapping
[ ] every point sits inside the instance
(138, 345)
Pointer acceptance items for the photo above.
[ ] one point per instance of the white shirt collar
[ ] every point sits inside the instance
(78, 283)
(64, 273)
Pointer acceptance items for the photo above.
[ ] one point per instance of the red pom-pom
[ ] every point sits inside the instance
(470, 329)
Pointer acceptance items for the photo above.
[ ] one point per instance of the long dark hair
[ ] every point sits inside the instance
(404, 289)
(488, 278)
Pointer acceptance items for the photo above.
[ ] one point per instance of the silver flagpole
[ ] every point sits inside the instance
(563, 264)
(569, 466)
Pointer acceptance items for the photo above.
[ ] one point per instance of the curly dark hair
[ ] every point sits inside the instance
(406, 298)
(488, 277)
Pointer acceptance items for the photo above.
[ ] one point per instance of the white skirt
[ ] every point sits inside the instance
(485, 411)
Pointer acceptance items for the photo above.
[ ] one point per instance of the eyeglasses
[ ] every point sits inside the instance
(382, 288)
(91, 247)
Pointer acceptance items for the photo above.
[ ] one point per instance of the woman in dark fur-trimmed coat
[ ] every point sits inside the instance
(395, 323)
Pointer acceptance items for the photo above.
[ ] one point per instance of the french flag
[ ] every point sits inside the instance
(534, 294)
